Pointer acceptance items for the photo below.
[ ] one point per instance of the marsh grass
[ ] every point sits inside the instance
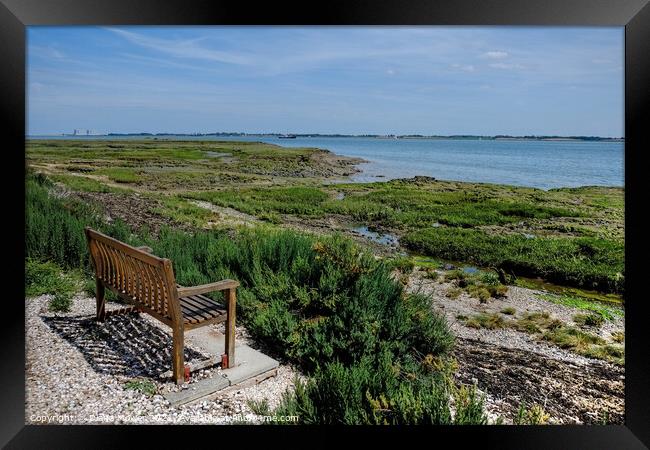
(85, 184)
(182, 211)
(481, 285)
(584, 262)
(569, 337)
(589, 320)
(592, 306)
(579, 231)
(490, 321)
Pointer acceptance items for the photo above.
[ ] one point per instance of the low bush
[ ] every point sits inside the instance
(61, 302)
(589, 320)
(535, 415)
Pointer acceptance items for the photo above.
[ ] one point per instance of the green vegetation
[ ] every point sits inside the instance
(536, 322)
(486, 320)
(571, 236)
(375, 354)
(585, 344)
(144, 386)
(397, 204)
(535, 415)
(85, 184)
(61, 302)
(481, 285)
(606, 311)
(575, 255)
(618, 337)
(161, 165)
(371, 394)
(183, 212)
(585, 262)
(565, 336)
(553, 330)
(47, 278)
(589, 320)
(509, 311)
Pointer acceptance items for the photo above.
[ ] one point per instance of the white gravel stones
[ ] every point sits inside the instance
(76, 372)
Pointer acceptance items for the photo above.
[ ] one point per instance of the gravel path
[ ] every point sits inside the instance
(77, 370)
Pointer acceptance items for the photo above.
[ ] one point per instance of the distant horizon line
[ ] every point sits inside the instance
(410, 135)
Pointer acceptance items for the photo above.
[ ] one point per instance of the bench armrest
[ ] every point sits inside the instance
(205, 288)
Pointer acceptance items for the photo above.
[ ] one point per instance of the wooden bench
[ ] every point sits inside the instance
(147, 283)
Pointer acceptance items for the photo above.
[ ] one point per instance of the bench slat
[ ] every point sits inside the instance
(197, 309)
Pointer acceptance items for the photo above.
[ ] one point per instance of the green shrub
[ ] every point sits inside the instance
(61, 302)
(374, 391)
(48, 278)
(509, 311)
(535, 415)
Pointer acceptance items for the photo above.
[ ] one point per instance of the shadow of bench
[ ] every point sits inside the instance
(121, 345)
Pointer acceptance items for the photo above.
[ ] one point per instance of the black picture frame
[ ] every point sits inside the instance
(634, 15)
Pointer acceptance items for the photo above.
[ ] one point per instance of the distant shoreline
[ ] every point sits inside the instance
(377, 136)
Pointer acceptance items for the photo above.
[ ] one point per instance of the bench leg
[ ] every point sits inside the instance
(178, 362)
(231, 301)
(100, 293)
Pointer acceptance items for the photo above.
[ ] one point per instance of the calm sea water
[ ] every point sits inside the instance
(541, 164)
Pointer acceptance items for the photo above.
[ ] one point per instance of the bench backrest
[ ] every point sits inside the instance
(143, 278)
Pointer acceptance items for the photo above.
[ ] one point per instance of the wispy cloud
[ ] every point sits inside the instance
(506, 66)
(182, 48)
(495, 54)
(464, 67)
(46, 52)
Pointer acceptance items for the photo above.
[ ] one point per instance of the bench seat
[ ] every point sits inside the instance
(199, 308)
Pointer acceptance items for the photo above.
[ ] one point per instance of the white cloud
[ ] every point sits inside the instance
(496, 54)
(506, 66)
(464, 67)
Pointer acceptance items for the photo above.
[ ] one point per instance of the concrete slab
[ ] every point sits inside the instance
(251, 367)
(196, 391)
(248, 363)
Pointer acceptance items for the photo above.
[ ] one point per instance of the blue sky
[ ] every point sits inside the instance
(352, 80)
